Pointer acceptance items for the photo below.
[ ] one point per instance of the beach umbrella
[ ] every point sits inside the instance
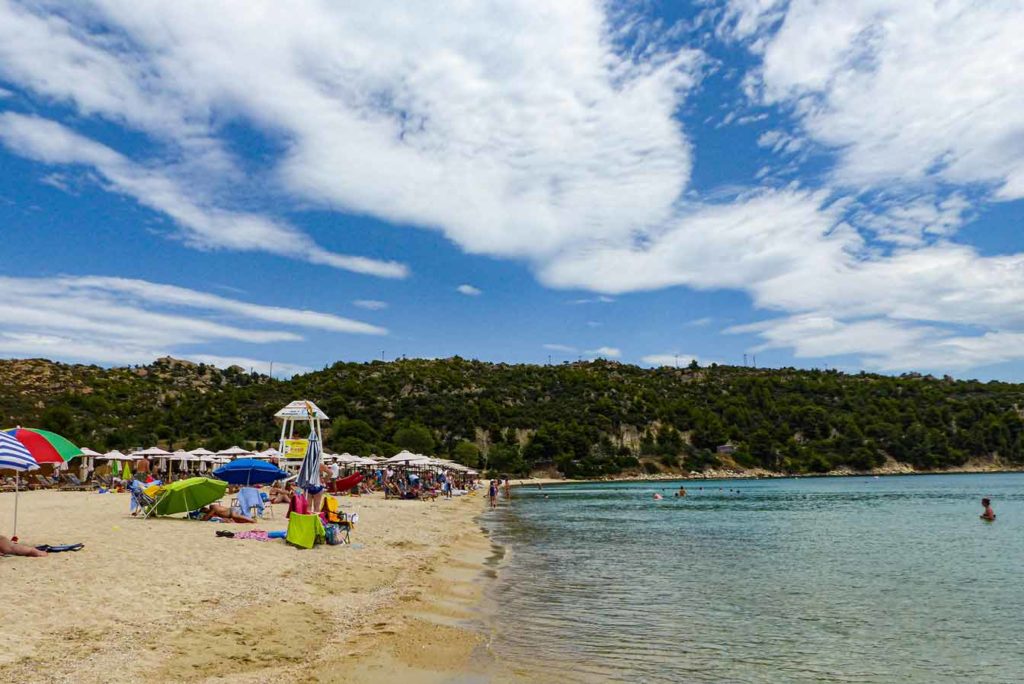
(309, 472)
(151, 451)
(126, 474)
(14, 456)
(45, 446)
(234, 452)
(188, 495)
(249, 471)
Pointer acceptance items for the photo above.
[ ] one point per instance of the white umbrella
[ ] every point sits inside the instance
(86, 451)
(151, 451)
(201, 452)
(114, 455)
(406, 456)
(234, 451)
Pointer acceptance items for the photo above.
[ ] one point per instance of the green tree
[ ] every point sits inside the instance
(467, 454)
(416, 438)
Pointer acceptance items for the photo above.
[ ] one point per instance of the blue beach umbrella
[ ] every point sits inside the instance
(249, 471)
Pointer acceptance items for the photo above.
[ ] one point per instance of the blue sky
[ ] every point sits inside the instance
(820, 184)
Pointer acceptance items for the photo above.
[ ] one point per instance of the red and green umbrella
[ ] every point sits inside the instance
(45, 446)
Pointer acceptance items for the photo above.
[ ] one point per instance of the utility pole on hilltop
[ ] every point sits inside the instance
(744, 360)
(677, 360)
(271, 370)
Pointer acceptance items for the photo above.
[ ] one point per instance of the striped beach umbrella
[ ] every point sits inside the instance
(309, 472)
(15, 456)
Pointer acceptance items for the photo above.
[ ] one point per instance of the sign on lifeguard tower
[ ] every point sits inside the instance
(301, 411)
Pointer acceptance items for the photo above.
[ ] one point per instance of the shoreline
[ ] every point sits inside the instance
(760, 475)
(169, 598)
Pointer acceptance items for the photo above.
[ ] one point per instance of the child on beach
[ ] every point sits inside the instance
(988, 514)
(492, 493)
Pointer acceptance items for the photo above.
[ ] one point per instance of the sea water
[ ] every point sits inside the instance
(855, 579)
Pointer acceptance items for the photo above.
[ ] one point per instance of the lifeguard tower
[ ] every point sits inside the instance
(299, 411)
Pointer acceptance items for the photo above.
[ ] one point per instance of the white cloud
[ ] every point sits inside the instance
(515, 127)
(117, 320)
(370, 304)
(605, 352)
(602, 299)
(563, 348)
(203, 225)
(700, 322)
(905, 90)
(263, 366)
(678, 360)
(539, 131)
(469, 290)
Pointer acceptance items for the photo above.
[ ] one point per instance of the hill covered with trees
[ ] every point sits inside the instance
(582, 419)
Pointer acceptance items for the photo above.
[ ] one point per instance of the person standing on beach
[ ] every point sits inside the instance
(988, 515)
(492, 493)
(508, 489)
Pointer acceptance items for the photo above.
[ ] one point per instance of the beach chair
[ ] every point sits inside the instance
(70, 483)
(143, 498)
(250, 502)
(333, 515)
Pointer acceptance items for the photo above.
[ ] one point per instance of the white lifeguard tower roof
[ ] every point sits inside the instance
(297, 411)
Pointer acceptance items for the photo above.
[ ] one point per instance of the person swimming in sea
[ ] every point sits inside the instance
(657, 497)
(988, 515)
(681, 492)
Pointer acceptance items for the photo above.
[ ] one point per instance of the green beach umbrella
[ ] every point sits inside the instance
(188, 495)
(126, 474)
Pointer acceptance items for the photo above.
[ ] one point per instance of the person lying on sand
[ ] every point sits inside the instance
(9, 548)
(224, 513)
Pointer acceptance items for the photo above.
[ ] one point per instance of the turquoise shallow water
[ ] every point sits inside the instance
(823, 579)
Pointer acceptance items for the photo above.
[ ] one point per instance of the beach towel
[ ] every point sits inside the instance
(299, 504)
(59, 548)
(248, 499)
(305, 530)
(258, 535)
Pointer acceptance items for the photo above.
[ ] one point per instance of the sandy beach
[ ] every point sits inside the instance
(168, 599)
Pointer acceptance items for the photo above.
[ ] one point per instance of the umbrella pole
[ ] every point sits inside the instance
(14, 536)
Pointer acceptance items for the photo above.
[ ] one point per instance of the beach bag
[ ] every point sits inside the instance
(333, 534)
